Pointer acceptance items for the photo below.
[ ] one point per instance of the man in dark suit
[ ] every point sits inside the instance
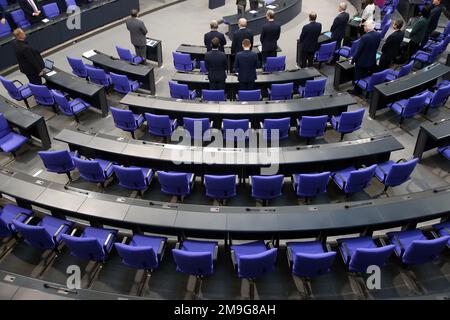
(214, 34)
(29, 59)
(216, 63)
(32, 10)
(245, 66)
(240, 35)
(241, 4)
(269, 36)
(391, 47)
(309, 40)
(339, 25)
(435, 14)
(138, 33)
(365, 57)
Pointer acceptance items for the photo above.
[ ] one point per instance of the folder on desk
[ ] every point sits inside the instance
(89, 54)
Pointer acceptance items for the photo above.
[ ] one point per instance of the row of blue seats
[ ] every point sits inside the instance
(253, 260)
(222, 187)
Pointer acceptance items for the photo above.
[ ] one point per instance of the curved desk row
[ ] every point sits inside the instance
(225, 222)
(43, 36)
(199, 81)
(255, 111)
(242, 161)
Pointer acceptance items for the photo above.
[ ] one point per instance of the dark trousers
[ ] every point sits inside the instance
(247, 85)
(265, 54)
(241, 9)
(141, 51)
(34, 78)
(385, 63)
(412, 48)
(217, 85)
(307, 59)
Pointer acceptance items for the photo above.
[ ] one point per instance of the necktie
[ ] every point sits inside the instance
(33, 5)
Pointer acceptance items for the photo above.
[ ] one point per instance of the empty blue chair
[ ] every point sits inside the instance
(8, 214)
(407, 108)
(5, 29)
(122, 84)
(127, 120)
(325, 53)
(351, 180)
(249, 95)
(181, 91)
(430, 45)
(183, 61)
(126, 55)
(42, 95)
(71, 108)
(142, 253)
(310, 185)
(98, 76)
(19, 93)
(412, 247)
(59, 161)
(312, 127)
(237, 130)
(51, 10)
(220, 187)
(276, 129)
(160, 125)
(275, 64)
(438, 98)
(71, 4)
(313, 88)
(348, 52)
(368, 83)
(281, 91)
(95, 171)
(176, 183)
(78, 67)
(393, 174)
(348, 121)
(445, 151)
(197, 127)
(267, 187)
(425, 57)
(213, 95)
(134, 178)
(404, 70)
(443, 229)
(19, 19)
(443, 35)
(9, 140)
(360, 253)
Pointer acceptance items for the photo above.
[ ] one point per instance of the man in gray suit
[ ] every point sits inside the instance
(137, 33)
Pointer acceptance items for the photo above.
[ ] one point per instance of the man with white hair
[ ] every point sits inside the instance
(240, 35)
(339, 25)
(365, 58)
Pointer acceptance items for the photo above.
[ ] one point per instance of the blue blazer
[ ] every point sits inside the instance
(366, 55)
(238, 37)
(216, 63)
(211, 35)
(309, 38)
(245, 65)
(269, 36)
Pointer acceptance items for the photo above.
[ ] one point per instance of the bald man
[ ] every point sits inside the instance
(209, 36)
(339, 25)
(240, 35)
(29, 59)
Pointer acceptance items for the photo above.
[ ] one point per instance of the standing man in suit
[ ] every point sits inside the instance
(391, 47)
(216, 63)
(309, 40)
(240, 35)
(269, 36)
(245, 65)
(32, 10)
(29, 59)
(241, 4)
(365, 57)
(207, 39)
(435, 14)
(418, 32)
(339, 25)
(138, 33)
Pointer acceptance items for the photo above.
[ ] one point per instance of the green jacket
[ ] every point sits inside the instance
(419, 29)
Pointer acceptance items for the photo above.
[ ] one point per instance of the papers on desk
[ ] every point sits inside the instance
(271, 6)
(253, 11)
(260, 48)
(51, 73)
(406, 40)
(357, 18)
(408, 30)
(151, 43)
(89, 54)
(45, 20)
(328, 34)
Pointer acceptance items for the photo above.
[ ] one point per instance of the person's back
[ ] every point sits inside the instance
(419, 30)
(366, 55)
(245, 65)
(310, 36)
(214, 34)
(137, 31)
(29, 59)
(216, 63)
(435, 14)
(240, 35)
(269, 36)
(339, 25)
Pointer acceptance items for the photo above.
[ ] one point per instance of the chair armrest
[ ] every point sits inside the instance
(261, 125)
(211, 124)
(107, 168)
(124, 240)
(178, 245)
(343, 180)
(58, 231)
(216, 252)
(138, 118)
(384, 173)
(108, 239)
(73, 232)
(347, 253)
(401, 160)
(148, 176)
(160, 252)
(328, 247)
(289, 257)
(402, 249)
(337, 121)
(233, 259)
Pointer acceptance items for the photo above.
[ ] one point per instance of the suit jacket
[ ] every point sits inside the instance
(270, 34)
(28, 10)
(392, 45)
(339, 26)
(435, 14)
(137, 31)
(310, 36)
(216, 63)
(245, 65)
(419, 30)
(214, 34)
(238, 37)
(28, 58)
(366, 55)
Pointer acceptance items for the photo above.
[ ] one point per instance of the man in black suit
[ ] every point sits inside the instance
(216, 63)
(339, 25)
(29, 59)
(240, 35)
(214, 34)
(269, 36)
(433, 21)
(241, 4)
(32, 10)
(245, 65)
(391, 47)
(365, 57)
(309, 40)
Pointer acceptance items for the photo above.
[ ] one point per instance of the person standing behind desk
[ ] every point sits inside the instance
(309, 40)
(241, 4)
(245, 66)
(214, 34)
(216, 63)
(435, 14)
(339, 25)
(32, 10)
(391, 47)
(138, 33)
(240, 35)
(269, 36)
(29, 59)
(418, 32)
